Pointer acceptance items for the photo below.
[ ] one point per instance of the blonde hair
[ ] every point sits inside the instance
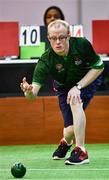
(57, 23)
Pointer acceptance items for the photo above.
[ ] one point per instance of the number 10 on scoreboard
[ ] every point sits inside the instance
(29, 36)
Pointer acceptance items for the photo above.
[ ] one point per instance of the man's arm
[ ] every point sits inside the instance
(30, 90)
(90, 77)
(74, 93)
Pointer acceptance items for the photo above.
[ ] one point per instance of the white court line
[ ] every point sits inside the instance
(96, 169)
(71, 169)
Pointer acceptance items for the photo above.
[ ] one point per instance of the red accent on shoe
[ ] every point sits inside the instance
(63, 141)
(83, 155)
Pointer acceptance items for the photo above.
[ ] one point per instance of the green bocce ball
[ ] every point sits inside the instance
(18, 170)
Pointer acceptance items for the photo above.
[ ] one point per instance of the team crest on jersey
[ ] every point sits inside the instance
(77, 60)
(59, 67)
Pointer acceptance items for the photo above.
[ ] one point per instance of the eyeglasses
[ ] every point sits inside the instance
(60, 38)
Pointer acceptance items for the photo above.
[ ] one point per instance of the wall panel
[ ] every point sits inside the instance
(40, 122)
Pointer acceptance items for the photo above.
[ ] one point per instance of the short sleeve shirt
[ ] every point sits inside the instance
(70, 69)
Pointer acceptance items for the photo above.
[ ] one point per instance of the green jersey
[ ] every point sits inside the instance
(67, 70)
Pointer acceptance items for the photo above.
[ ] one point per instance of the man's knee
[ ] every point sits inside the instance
(76, 107)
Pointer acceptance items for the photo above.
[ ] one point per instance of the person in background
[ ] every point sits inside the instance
(52, 13)
(76, 69)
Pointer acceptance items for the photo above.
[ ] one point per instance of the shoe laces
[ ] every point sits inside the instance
(62, 146)
(78, 152)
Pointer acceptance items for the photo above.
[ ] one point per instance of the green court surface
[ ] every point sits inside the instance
(40, 166)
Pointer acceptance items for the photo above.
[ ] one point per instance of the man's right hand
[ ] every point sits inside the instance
(25, 87)
(30, 90)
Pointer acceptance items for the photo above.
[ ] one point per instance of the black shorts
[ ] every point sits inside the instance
(86, 95)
